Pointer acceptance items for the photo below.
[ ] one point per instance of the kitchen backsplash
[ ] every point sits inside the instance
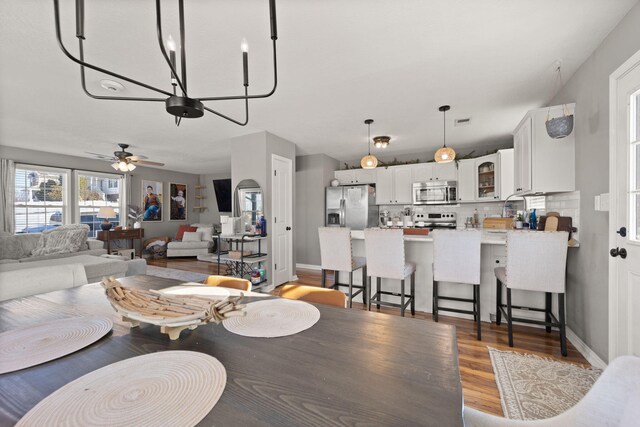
(566, 204)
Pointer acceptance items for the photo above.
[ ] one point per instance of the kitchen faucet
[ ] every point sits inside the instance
(504, 205)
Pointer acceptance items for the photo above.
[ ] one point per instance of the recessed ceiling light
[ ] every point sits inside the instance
(111, 86)
(462, 122)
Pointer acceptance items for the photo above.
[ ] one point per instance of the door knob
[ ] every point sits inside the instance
(622, 232)
(618, 251)
(288, 228)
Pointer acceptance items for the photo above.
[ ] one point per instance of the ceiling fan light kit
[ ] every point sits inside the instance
(369, 161)
(445, 154)
(381, 141)
(125, 161)
(177, 101)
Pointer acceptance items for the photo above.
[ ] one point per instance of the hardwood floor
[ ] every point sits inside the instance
(480, 390)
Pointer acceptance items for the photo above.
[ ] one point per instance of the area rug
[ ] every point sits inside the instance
(172, 273)
(534, 388)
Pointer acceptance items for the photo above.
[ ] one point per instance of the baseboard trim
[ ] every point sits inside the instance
(308, 267)
(584, 349)
(293, 278)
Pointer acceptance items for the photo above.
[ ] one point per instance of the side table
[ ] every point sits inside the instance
(132, 234)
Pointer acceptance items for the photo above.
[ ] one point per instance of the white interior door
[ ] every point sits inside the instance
(624, 215)
(282, 202)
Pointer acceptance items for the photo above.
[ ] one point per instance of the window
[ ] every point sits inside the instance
(634, 168)
(96, 190)
(41, 198)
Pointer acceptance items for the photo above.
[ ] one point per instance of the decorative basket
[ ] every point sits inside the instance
(173, 313)
(559, 127)
(239, 254)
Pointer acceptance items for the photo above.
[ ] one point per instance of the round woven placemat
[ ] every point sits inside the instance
(274, 318)
(33, 345)
(169, 388)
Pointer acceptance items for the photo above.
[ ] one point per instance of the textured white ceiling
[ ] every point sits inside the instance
(340, 62)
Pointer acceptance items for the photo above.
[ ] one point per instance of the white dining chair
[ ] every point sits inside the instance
(336, 255)
(456, 258)
(614, 400)
(536, 261)
(385, 259)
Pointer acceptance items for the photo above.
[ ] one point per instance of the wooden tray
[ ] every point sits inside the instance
(498, 223)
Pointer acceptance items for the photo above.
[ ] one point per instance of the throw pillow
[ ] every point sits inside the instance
(63, 239)
(11, 247)
(182, 229)
(192, 236)
(207, 233)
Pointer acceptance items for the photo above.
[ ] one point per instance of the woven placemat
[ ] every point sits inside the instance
(274, 318)
(33, 345)
(169, 388)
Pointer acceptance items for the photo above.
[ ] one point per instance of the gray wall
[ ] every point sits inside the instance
(313, 174)
(587, 287)
(151, 229)
(211, 215)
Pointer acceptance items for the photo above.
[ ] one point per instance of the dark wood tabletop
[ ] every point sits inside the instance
(353, 367)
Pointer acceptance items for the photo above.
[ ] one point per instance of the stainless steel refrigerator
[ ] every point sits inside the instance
(351, 206)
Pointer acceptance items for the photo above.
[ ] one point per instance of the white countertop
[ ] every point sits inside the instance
(488, 237)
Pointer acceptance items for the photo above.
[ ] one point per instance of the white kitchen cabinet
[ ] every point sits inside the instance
(393, 185)
(355, 176)
(543, 164)
(467, 180)
(423, 172)
(487, 178)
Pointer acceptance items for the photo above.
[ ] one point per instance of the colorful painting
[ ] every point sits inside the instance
(177, 202)
(152, 200)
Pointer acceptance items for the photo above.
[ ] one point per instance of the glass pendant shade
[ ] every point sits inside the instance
(445, 155)
(369, 162)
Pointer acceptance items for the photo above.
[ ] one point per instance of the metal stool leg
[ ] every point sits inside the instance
(369, 293)
(324, 278)
(336, 280)
(364, 284)
(498, 302)
(547, 307)
(413, 293)
(563, 333)
(378, 280)
(476, 291)
(434, 312)
(402, 298)
(509, 317)
(350, 288)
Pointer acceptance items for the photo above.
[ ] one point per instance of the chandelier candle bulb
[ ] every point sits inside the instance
(244, 46)
(80, 19)
(171, 44)
(272, 14)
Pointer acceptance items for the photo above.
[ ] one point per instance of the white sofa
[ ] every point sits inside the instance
(29, 241)
(31, 281)
(178, 248)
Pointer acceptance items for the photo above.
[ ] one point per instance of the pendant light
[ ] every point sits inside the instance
(559, 127)
(369, 161)
(445, 154)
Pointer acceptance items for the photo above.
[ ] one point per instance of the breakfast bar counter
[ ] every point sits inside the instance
(419, 250)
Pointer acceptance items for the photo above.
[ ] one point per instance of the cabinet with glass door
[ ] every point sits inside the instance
(487, 182)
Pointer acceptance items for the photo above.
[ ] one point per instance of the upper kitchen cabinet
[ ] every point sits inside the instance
(486, 178)
(356, 176)
(543, 164)
(423, 172)
(393, 185)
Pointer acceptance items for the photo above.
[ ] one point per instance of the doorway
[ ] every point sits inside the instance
(624, 214)
(282, 211)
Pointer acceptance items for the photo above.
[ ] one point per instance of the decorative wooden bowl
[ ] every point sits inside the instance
(173, 313)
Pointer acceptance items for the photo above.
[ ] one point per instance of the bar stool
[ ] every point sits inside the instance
(385, 259)
(456, 258)
(336, 255)
(536, 261)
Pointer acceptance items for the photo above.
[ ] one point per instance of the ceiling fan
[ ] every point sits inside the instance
(125, 161)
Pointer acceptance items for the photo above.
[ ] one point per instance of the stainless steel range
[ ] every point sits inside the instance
(434, 220)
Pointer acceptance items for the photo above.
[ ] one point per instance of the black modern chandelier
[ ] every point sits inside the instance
(177, 102)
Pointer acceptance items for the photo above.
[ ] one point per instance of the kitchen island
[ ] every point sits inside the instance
(419, 250)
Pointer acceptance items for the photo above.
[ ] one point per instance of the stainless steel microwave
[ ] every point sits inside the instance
(435, 193)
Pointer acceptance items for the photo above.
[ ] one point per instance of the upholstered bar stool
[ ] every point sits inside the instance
(385, 259)
(456, 258)
(336, 255)
(536, 261)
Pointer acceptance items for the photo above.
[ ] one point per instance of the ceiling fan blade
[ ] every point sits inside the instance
(147, 162)
(101, 156)
(136, 158)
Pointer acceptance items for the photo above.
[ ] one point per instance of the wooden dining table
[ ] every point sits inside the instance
(353, 367)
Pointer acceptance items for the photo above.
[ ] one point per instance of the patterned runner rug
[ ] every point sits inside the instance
(172, 273)
(534, 388)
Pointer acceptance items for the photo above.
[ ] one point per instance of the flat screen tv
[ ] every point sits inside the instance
(222, 188)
